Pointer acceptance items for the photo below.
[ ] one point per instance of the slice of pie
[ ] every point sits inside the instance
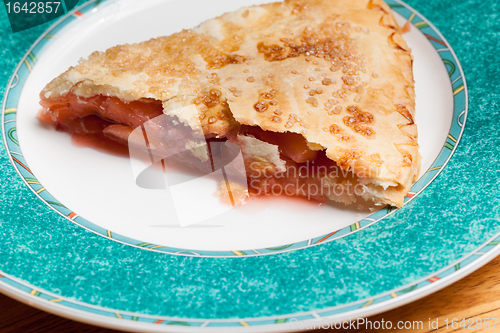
(324, 87)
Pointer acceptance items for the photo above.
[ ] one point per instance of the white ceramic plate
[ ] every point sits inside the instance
(107, 194)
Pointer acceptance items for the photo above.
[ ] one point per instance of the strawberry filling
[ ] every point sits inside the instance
(94, 121)
(105, 123)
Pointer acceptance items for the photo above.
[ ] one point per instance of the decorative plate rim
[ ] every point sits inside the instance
(81, 311)
(451, 273)
(22, 168)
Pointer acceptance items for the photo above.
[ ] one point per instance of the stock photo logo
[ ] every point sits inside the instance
(201, 178)
(193, 163)
(28, 14)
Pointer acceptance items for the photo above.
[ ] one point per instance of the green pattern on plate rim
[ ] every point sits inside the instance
(446, 274)
(20, 75)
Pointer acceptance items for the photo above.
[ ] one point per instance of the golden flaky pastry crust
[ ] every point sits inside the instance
(337, 72)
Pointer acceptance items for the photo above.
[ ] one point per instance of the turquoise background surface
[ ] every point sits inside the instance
(458, 212)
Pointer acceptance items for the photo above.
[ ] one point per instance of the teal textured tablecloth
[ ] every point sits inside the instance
(458, 212)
